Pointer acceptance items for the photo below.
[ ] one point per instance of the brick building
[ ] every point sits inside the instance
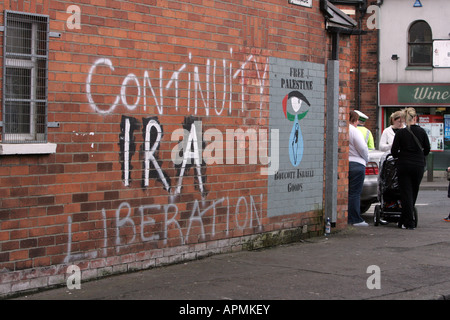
(142, 133)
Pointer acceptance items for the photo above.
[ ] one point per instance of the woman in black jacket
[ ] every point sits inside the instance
(411, 145)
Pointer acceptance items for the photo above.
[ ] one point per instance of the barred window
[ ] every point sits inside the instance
(25, 59)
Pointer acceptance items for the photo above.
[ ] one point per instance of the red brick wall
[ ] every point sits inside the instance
(77, 206)
(346, 96)
(368, 83)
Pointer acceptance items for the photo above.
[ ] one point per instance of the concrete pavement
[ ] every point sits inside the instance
(365, 263)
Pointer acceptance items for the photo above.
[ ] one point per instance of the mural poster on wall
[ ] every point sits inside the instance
(297, 98)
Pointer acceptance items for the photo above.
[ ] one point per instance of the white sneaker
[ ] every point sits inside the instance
(361, 224)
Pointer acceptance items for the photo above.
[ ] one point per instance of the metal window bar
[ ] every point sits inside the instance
(25, 61)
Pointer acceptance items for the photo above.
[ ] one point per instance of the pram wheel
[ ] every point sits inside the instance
(377, 215)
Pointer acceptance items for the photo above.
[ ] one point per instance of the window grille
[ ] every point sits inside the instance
(25, 61)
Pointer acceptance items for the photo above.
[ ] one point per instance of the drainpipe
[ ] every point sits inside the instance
(358, 93)
(332, 131)
(377, 128)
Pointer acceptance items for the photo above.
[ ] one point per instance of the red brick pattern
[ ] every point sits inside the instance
(78, 206)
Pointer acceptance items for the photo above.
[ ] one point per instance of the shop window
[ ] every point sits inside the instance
(24, 110)
(420, 44)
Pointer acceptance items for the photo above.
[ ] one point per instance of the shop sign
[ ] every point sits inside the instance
(303, 3)
(415, 94)
(428, 94)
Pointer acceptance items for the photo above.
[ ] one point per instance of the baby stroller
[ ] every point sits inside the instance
(390, 207)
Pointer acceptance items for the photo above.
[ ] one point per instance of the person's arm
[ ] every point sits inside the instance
(361, 146)
(395, 150)
(370, 142)
(384, 141)
(426, 144)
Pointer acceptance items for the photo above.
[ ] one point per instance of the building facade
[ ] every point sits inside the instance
(414, 68)
(141, 133)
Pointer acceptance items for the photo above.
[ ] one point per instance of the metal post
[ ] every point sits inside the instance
(332, 133)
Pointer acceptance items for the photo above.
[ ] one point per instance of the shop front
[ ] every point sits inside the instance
(432, 104)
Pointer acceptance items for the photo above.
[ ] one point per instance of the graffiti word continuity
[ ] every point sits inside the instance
(207, 98)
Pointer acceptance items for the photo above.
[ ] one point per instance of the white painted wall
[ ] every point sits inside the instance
(396, 16)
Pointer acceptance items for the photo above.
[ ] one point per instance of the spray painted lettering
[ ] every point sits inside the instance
(186, 73)
(192, 151)
(199, 219)
(140, 224)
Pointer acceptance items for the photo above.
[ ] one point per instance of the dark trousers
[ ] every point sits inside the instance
(356, 175)
(409, 179)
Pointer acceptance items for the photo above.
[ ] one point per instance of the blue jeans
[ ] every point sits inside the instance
(356, 175)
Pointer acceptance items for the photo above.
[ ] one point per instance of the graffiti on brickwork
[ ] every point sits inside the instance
(152, 133)
(127, 146)
(203, 95)
(153, 222)
(187, 154)
(195, 150)
(175, 222)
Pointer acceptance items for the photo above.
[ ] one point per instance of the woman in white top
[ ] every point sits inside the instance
(387, 137)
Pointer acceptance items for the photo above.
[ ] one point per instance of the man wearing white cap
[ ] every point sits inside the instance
(366, 132)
